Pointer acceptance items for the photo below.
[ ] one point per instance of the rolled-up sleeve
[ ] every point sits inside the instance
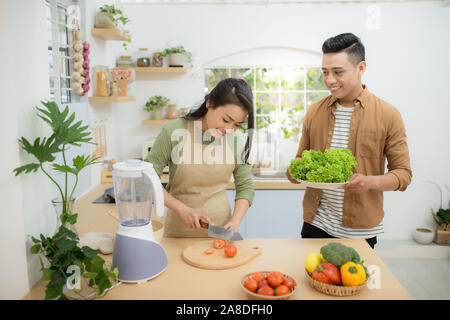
(397, 152)
(160, 153)
(243, 182)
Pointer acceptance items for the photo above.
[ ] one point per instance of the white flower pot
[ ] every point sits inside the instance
(176, 59)
(423, 235)
(102, 20)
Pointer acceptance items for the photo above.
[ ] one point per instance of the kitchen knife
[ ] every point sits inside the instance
(221, 233)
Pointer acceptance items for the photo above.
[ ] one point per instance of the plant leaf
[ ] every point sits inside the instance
(44, 151)
(89, 252)
(53, 292)
(82, 161)
(65, 131)
(31, 167)
(62, 168)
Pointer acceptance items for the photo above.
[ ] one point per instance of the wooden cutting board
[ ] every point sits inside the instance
(195, 256)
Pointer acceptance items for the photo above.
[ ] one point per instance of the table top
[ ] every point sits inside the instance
(182, 281)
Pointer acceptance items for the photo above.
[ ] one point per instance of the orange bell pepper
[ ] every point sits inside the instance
(352, 274)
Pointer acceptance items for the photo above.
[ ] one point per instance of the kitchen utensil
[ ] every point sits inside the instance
(256, 296)
(194, 255)
(137, 255)
(221, 233)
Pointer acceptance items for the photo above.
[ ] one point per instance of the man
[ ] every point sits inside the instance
(352, 117)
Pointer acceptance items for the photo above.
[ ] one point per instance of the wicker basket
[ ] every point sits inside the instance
(334, 290)
(255, 296)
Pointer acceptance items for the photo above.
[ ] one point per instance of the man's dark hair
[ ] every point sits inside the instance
(348, 43)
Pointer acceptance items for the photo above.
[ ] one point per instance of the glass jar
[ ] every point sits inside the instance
(172, 111)
(124, 61)
(101, 81)
(157, 59)
(143, 59)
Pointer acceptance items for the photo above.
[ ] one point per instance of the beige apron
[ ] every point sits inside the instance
(201, 185)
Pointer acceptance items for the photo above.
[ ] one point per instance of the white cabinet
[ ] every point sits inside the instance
(273, 214)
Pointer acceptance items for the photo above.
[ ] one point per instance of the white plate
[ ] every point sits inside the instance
(322, 185)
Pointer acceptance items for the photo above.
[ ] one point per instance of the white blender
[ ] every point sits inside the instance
(137, 255)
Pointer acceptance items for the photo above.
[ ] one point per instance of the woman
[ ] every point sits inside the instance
(202, 155)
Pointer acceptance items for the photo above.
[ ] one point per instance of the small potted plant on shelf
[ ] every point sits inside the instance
(155, 104)
(61, 254)
(442, 218)
(111, 17)
(177, 55)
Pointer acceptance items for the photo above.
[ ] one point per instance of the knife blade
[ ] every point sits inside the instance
(221, 233)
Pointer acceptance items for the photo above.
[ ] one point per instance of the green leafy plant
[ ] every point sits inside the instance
(442, 216)
(117, 17)
(62, 250)
(179, 49)
(332, 166)
(155, 102)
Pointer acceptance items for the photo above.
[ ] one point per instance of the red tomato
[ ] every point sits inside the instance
(289, 282)
(275, 278)
(282, 290)
(258, 276)
(219, 243)
(251, 284)
(230, 250)
(265, 290)
(263, 283)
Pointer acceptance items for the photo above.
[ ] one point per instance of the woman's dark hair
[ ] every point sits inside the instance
(348, 43)
(229, 91)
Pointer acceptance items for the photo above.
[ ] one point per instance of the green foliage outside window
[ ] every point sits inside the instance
(280, 94)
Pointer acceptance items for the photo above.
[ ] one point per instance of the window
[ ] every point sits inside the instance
(59, 52)
(281, 94)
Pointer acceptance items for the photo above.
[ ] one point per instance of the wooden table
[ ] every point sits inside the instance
(181, 281)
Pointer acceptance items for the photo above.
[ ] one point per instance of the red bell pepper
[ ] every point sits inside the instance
(328, 273)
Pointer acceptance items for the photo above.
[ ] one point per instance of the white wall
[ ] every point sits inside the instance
(13, 269)
(407, 63)
(26, 209)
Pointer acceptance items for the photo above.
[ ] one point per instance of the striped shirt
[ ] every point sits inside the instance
(329, 213)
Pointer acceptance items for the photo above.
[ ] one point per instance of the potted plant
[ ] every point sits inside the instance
(62, 251)
(442, 218)
(155, 104)
(111, 17)
(176, 56)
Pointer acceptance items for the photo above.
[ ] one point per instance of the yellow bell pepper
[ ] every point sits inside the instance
(352, 274)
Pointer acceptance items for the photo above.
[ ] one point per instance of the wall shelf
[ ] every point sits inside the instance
(160, 69)
(155, 122)
(109, 34)
(111, 99)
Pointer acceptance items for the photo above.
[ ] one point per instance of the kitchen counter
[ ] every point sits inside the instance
(259, 184)
(182, 281)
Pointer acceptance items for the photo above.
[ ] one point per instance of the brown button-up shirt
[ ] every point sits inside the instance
(376, 133)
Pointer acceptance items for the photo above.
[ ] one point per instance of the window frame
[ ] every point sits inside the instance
(278, 115)
(62, 91)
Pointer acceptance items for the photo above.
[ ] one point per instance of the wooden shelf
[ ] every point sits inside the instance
(160, 69)
(109, 34)
(155, 122)
(111, 99)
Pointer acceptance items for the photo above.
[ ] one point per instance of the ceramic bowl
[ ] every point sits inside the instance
(423, 235)
(256, 296)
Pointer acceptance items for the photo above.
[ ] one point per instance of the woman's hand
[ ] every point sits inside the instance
(193, 217)
(231, 225)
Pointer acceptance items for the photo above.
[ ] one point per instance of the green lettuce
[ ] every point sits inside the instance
(334, 165)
